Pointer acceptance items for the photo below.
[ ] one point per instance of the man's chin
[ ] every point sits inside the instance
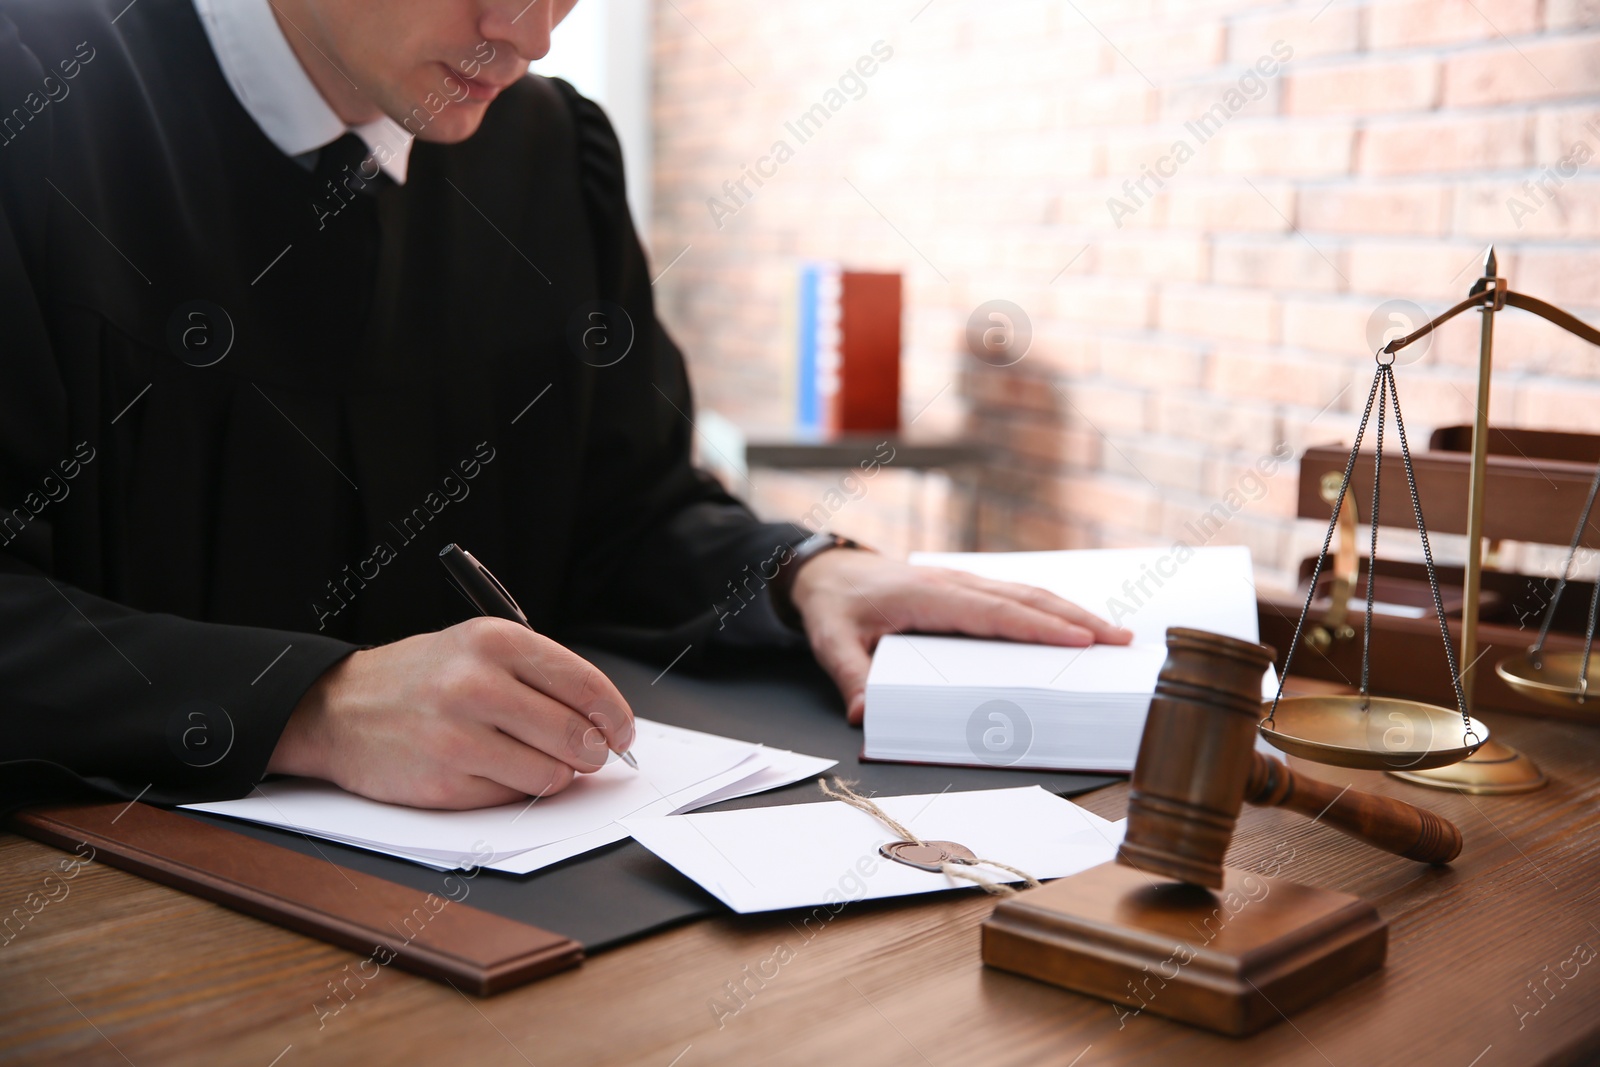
(454, 124)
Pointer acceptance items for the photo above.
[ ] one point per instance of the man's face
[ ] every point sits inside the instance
(433, 66)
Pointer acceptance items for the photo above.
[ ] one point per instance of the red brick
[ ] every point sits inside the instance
(1409, 209)
(1421, 269)
(1268, 483)
(1166, 463)
(1187, 521)
(1563, 133)
(1152, 361)
(1269, 263)
(1563, 276)
(1241, 91)
(1445, 396)
(1032, 530)
(1003, 387)
(1410, 23)
(1228, 204)
(1271, 148)
(1213, 311)
(1040, 439)
(1336, 30)
(1527, 345)
(1134, 154)
(1558, 405)
(1090, 205)
(1108, 101)
(1158, 257)
(1544, 206)
(1219, 421)
(1174, 46)
(1440, 145)
(1570, 14)
(1054, 154)
(1062, 347)
(1369, 87)
(1243, 371)
(1546, 69)
(1132, 502)
(1327, 325)
(1104, 407)
(1102, 301)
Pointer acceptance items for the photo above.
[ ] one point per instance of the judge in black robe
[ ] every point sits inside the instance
(242, 407)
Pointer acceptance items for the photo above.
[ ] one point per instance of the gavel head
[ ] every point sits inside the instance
(1194, 758)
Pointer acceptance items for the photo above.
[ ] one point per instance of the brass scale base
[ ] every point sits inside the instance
(1493, 770)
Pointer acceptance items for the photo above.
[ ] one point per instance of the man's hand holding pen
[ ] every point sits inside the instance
(482, 713)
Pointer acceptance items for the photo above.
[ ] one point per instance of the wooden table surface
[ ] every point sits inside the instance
(120, 970)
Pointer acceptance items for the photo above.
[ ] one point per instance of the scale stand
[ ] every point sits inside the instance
(1421, 743)
(1498, 768)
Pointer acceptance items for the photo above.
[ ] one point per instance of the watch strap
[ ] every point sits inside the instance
(782, 585)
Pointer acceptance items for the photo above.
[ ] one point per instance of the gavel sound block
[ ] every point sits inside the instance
(1167, 928)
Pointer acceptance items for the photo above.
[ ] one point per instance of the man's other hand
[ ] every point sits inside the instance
(849, 598)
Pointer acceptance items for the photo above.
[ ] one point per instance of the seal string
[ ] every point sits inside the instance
(953, 868)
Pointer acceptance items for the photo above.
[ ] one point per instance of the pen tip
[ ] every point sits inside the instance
(627, 757)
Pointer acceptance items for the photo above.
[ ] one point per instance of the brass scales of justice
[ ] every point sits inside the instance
(1167, 928)
(1420, 742)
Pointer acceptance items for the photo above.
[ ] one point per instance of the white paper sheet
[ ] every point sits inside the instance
(781, 768)
(671, 759)
(534, 859)
(802, 855)
(527, 836)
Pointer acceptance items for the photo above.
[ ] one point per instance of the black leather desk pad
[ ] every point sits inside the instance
(615, 894)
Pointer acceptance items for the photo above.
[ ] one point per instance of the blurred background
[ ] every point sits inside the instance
(1202, 216)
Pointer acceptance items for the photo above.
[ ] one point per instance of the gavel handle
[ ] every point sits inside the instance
(1386, 823)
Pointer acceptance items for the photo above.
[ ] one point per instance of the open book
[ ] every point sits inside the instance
(957, 700)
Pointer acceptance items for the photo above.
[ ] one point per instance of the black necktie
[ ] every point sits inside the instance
(350, 165)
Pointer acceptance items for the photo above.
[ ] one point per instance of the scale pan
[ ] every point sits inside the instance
(1387, 735)
(1555, 684)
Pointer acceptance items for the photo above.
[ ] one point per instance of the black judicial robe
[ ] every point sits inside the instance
(188, 541)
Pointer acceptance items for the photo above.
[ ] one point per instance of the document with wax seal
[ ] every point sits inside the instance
(969, 702)
(827, 854)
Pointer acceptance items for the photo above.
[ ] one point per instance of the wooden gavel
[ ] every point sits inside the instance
(1384, 822)
(1197, 766)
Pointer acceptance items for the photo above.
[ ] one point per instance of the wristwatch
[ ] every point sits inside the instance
(782, 584)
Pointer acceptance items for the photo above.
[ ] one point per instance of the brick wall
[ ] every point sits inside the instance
(1193, 308)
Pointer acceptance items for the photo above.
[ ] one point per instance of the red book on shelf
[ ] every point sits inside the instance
(869, 353)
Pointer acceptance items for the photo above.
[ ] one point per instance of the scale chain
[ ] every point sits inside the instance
(1566, 570)
(1384, 380)
(1427, 555)
(1561, 587)
(1588, 643)
(1316, 570)
(1385, 370)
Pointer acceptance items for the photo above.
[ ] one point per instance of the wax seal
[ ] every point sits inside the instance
(927, 855)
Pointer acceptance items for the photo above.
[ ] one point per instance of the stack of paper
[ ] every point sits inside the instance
(679, 770)
(801, 855)
(972, 702)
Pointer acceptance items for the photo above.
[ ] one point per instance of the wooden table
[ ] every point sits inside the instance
(121, 970)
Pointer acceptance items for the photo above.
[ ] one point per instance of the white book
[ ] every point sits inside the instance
(966, 701)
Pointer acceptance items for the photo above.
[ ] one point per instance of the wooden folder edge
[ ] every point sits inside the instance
(479, 951)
